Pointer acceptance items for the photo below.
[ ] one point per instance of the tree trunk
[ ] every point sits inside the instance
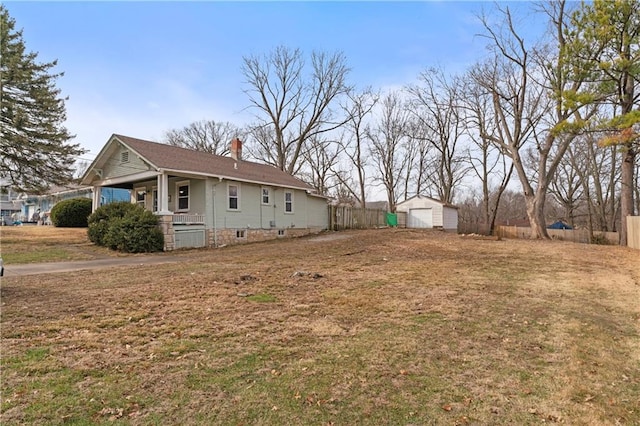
(535, 212)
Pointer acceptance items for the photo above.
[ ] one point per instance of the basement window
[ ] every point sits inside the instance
(241, 233)
(281, 233)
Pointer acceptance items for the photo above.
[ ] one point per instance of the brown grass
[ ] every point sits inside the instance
(28, 244)
(374, 327)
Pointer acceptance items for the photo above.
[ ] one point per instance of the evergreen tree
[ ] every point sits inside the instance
(35, 152)
(604, 44)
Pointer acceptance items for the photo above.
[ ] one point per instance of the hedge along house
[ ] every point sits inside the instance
(426, 212)
(206, 200)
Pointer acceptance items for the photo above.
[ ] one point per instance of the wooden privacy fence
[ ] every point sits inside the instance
(575, 235)
(347, 217)
(633, 232)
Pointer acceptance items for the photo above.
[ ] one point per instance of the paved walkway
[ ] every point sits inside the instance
(79, 265)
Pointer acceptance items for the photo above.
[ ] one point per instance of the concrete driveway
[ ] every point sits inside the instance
(79, 265)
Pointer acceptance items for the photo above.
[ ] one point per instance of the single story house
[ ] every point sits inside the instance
(206, 200)
(426, 212)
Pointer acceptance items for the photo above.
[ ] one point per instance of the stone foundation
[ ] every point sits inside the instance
(225, 237)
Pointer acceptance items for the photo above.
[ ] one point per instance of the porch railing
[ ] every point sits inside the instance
(187, 219)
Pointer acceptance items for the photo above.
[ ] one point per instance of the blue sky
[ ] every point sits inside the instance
(142, 68)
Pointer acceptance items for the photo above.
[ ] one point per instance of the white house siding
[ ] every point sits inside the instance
(450, 218)
(317, 213)
(442, 216)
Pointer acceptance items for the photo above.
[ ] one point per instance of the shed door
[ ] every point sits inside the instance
(420, 218)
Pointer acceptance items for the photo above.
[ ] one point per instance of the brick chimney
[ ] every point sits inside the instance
(236, 149)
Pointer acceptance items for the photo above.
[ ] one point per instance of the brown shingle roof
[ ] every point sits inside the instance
(174, 158)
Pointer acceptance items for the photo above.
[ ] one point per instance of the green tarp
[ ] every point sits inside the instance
(392, 219)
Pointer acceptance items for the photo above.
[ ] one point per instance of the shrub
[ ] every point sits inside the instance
(99, 220)
(126, 227)
(72, 213)
(600, 239)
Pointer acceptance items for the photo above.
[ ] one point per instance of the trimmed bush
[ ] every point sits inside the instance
(72, 213)
(126, 227)
(100, 219)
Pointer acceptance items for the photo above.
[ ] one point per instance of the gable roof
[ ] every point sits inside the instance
(176, 159)
(429, 198)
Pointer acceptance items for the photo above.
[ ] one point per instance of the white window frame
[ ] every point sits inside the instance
(290, 202)
(241, 234)
(154, 198)
(138, 191)
(178, 197)
(268, 195)
(237, 196)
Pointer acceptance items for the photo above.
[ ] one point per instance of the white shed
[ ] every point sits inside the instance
(425, 212)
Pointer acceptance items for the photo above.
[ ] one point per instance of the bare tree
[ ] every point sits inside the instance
(435, 106)
(354, 141)
(531, 118)
(205, 135)
(567, 187)
(294, 102)
(387, 134)
(485, 159)
(321, 155)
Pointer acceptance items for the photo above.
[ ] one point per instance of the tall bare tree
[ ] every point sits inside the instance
(435, 104)
(205, 135)
(532, 118)
(388, 134)
(294, 102)
(354, 141)
(485, 159)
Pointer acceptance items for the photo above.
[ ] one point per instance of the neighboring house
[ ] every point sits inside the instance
(10, 204)
(425, 212)
(44, 203)
(206, 200)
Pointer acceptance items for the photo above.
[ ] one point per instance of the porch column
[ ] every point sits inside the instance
(97, 195)
(163, 193)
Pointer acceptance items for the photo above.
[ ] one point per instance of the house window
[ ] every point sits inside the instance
(182, 198)
(124, 157)
(233, 191)
(288, 201)
(141, 196)
(281, 233)
(265, 195)
(241, 233)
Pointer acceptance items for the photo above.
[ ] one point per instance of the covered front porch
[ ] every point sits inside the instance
(174, 199)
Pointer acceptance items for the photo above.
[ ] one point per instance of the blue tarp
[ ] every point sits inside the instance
(559, 225)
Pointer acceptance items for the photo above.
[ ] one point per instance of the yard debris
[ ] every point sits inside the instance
(244, 294)
(245, 279)
(314, 275)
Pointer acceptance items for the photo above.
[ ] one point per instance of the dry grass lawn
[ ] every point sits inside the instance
(396, 327)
